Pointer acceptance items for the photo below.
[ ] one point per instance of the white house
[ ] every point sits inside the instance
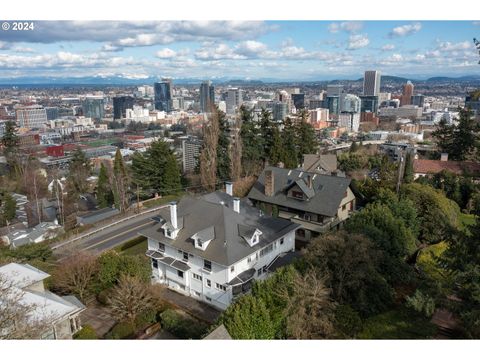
(60, 314)
(211, 248)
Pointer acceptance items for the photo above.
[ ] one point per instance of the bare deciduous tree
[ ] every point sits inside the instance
(75, 273)
(309, 308)
(208, 155)
(16, 320)
(236, 152)
(130, 298)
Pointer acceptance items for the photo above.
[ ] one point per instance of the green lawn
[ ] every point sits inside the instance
(397, 324)
(137, 246)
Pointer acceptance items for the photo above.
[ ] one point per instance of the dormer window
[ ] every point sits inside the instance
(297, 194)
(168, 232)
(199, 243)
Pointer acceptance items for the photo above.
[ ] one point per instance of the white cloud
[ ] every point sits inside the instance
(405, 30)
(348, 26)
(4, 45)
(20, 49)
(388, 47)
(357, 42)
(166, 53)
(448, 46)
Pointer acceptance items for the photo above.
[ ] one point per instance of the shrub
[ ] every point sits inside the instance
(87, 333)
(122, 330)
(182, 326)
(347, 321)
(421, 303)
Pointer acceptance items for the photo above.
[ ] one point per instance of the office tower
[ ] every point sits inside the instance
(349, 120)
(472, 102)
(315, 104)
(351, 103)
(334, 90)
(332, 103)
(406, 98)
(234, 100)
(418, 100)
(163, 95)
(191, 151)
(52, 113)
(369, 103)
(93, 107)
(32, 117)
(280, 110)
(384, 97)
(207, 96)
(120, 106)
(371, 83)
(298, 101)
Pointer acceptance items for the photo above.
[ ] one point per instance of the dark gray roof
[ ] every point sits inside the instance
(228, 246)
(220, 333)
(242, 277)
(328, 191)
(325, 162)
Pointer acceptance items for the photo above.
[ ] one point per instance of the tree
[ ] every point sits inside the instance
(236, 153)
(347, 322)
(458, 141)
(209, 153)
(290, 154)
(80, 169)
(9, 208)
(252, 144)
(351, 264)
(266, 134)
(121, 181)
(223, 146)
(354, 147)
(16, 320)
(130, 298)
(157, 169)
(306, 139)
(10, 139)
(276, 151)
(309, 308)
(75, 274)
(408, 173)
(104, 191)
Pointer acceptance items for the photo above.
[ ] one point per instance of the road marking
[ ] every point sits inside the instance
(114, 236)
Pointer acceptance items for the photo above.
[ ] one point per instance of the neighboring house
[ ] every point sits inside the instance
(39, 233)
(61, 313)
(325, 164)
(431, 167)
(95, 216)
(317, 202)
(211, 248)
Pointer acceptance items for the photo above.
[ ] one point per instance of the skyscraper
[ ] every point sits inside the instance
(407, 94)
(120, 106)
(32, 117)
(207, 96)
(92, 107)
(298, 101)
(163, 95)
(371, 83)
(234, 100)
(279, 111)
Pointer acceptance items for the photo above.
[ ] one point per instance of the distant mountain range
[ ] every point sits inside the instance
(122, 80)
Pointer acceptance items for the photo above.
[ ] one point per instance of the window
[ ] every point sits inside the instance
(185, 256)
(209, 283)
(297, 194)
(207, 265)
(199, 243)
(168, 233)
(255, 239)
(307, 217)
(259, 272)
(197, 293)
(220, 287)
(281, 241)
(197, 277)
(301, 232)
(208, 299)
(232, 268)
(266, 250)
(155, 263)
(180, 273)
(161, 247)
(249, 260)
(344, 206)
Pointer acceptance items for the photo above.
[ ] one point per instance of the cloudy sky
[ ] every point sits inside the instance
(283, 50)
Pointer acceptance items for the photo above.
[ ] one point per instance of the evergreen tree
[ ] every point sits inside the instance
(157, 169)
(306, 139)
(9, 208)
(266, 134)
(10, 139)
(408, 173)
(120, 182)
(251, 143)
(104, 192)
(80, 169)
(290, 154)
(276, 151)
(223, 148)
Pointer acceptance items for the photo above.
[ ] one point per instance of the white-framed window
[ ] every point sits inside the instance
(220, 287)
(155, 263)
(266, 250)
(249, 260)
(281, 241)
(161, 247)
(180, 273)
(208, 298)
(197, 293)
(196, 277)
(208, 283)
(207, 265)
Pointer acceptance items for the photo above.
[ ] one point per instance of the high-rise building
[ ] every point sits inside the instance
(371, 83)
(334, 90)
(163, 95)
(418, 100)
(234, 100)
(32, 117)
(279, 111)
(351, 103)
(191, 152)
(472, 102)
(407, 93)
(207, 96)
(93, 107)
(369, 103)
(349, 120)
(298, 101)
(332, 103)
(120, 106)
(315, 104)
(52, 113)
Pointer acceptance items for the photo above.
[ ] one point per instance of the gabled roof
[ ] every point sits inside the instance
(324, 162)
(22, 275)
(423, 166)
(328, 191)
(228, 246)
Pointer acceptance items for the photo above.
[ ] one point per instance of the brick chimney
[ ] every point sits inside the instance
(444, 157)
(269, 183)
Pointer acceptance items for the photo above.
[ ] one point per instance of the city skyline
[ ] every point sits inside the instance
(282, 50)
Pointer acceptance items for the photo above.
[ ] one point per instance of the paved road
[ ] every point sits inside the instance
(110, 237)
